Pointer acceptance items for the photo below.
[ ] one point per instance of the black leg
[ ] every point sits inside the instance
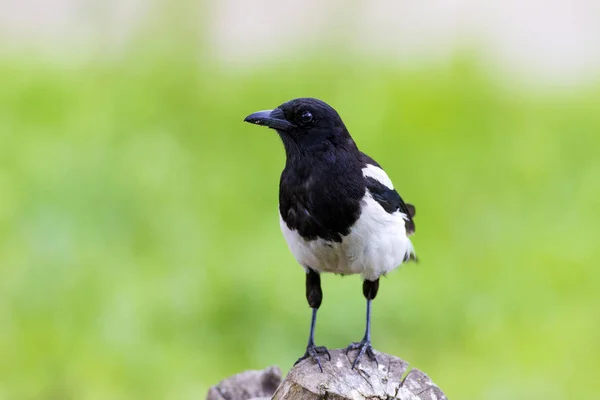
(314, 295)
(370, 289)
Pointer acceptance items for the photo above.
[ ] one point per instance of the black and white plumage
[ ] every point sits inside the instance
(339, 211)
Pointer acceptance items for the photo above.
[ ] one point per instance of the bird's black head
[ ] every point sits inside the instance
(303, 122)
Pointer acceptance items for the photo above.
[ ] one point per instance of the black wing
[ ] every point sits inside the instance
(388, 198)
(391, 202)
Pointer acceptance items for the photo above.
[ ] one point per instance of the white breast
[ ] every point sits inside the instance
(377, 242)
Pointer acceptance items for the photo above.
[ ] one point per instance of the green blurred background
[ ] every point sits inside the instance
(140, 252)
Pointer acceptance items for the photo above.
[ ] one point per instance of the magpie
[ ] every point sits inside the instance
(338, 209)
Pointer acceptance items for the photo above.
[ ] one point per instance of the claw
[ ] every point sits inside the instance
(363, 347)
(313, 352)
(323, 350)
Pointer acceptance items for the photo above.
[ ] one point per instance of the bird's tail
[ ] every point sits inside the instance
(410, 254)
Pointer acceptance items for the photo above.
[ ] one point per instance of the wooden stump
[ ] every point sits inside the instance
(247, 385)
(391, 379)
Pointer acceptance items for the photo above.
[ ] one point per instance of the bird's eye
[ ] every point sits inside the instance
(306, 116)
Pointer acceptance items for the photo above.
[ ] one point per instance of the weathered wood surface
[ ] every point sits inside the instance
(391, 379)
(255, 385)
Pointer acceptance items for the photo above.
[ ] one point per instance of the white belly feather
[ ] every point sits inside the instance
(377, 242)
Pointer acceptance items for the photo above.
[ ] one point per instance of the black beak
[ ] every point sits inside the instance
(271, 118)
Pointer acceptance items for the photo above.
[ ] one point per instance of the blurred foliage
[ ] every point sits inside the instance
(140, 252)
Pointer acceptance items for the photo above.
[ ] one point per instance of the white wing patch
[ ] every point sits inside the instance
(371, 171)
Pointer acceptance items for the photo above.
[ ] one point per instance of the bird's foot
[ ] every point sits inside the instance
(313, 352)
(363, 347)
